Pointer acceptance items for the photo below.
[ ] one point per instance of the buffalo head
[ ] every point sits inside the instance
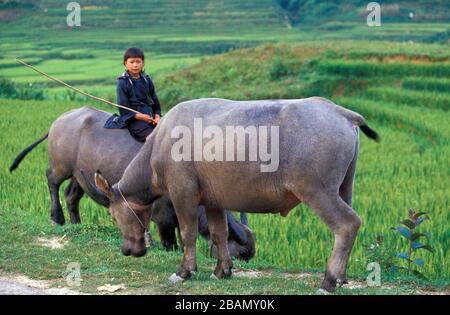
(131, 217)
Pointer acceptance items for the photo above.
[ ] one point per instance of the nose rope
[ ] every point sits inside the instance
(146, 233)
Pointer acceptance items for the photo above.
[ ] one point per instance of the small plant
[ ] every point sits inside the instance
(7, 88)
(30, 91)
(378, 252)
(409, 232)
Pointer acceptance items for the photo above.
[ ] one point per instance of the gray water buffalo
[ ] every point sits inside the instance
(78, 146)
(317, 152)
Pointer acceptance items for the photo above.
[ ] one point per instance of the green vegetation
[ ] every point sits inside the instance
(95, 248)
(315, 12)
(175, 35)
(396, 75)
(409, 231)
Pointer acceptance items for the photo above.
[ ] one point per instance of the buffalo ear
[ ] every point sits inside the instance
(103, 184)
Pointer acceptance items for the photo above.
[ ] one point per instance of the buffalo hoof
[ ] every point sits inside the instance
(213, 277)
(174, 278)
(330, 285)
(75, 221)
(341, 282)
(330, 282)
(223, 273)
(58, 222)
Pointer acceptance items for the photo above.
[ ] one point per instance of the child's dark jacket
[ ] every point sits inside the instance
(138, 94)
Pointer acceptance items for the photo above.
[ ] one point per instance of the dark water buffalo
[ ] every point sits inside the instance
(241, 243)
(77, 141)
(318, 150)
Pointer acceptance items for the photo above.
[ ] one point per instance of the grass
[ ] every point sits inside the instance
(172, 35)
(427, 84)
(395, 75)
(403, 171)
(94, 247)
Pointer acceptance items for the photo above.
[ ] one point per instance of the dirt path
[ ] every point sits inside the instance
(22, 285)
(14, 284)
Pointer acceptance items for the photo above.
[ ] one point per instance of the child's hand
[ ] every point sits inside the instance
(144, 117)
(156, 119)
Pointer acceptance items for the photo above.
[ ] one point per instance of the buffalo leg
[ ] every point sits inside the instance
(167, 236)
(54, 182)
(73, 194)
(344, 223)
(346, 189)
(179, 238)
(218, 230)
(186, 211)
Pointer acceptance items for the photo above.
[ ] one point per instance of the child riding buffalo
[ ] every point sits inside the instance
(135, 90)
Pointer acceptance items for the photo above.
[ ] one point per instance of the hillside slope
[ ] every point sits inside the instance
(174, 14)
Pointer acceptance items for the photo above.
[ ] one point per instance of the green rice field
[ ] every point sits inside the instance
(397, 76)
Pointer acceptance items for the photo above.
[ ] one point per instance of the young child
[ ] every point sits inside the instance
(135, 90)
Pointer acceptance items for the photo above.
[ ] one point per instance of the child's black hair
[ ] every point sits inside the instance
(133, 52)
